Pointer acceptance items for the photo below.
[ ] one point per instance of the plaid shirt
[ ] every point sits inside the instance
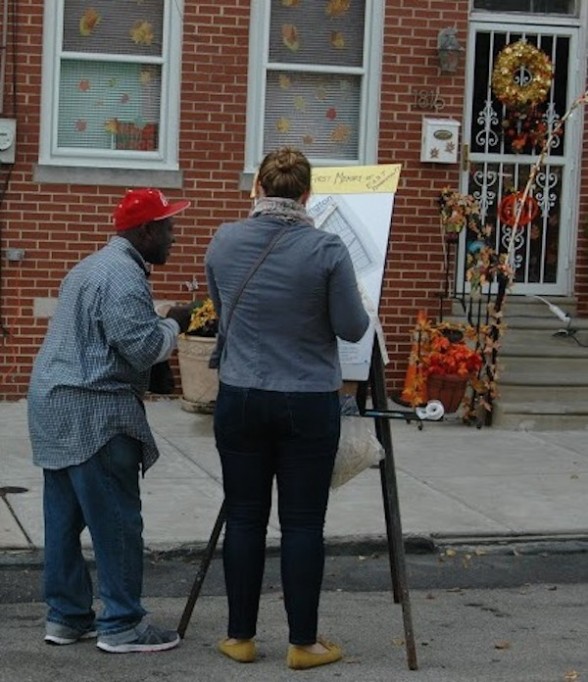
(93, 368)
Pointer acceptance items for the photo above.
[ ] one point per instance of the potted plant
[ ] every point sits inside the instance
(441, 364)
(449, 364)
(199, 382)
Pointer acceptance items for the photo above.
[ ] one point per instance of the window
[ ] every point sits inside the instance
(569, 7)
(111, 84)
(314, 79)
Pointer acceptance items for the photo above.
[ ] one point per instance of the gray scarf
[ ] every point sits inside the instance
(288, 210)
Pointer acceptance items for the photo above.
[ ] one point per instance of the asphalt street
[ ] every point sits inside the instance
(532, 633)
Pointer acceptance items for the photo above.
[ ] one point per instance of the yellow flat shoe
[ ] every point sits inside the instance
(243, 651)
(301, 659)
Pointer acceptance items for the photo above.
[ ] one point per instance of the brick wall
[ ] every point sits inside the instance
(59, 224)
(414, 278)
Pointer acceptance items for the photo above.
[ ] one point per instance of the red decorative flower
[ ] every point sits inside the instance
(447, 357)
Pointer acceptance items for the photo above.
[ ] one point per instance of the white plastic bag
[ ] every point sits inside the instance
(358, 449)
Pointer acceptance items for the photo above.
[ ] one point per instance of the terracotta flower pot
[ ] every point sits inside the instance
(449, 389)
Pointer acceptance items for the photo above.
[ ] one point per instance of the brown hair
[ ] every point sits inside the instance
(285, 173)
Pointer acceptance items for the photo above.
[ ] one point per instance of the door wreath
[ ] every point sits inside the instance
(522, 75)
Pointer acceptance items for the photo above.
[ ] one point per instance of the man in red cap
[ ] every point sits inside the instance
(89, 431)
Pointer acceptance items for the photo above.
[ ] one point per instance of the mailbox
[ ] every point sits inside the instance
(440, 140)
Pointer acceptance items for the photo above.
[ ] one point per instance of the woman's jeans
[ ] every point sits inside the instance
(102, 494)
(294, 437)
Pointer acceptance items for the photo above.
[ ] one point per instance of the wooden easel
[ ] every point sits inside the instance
(381, 416)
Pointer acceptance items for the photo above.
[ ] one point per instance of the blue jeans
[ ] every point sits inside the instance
(292, 437)
(102, 494)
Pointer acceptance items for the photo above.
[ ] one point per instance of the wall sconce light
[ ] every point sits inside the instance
(449, 50)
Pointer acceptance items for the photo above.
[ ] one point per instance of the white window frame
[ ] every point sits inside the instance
(370, 72)
(166, 157)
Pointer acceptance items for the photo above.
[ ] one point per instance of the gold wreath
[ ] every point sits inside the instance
(510, 61)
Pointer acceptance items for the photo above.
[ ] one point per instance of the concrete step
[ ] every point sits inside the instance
(547, 324)
(540, 349)
(533, 322)
(524, 393)
(541, 415)
(533, 341)
(544, 370)
(524, 306)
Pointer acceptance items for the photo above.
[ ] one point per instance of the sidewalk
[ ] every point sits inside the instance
(453, 481)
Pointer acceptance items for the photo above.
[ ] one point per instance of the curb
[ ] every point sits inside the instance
(506, 544)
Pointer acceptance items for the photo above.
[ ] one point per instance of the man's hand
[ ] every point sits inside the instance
(181, 314)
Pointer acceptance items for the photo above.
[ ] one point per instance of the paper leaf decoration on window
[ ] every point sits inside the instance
(290, 37)
(111, 125)
(345, 88)
(84, 85)
(125, 98)
(321, 94)
(90, 19)
(81, 125)
(336, 8)
(299, 103)
(283, 125)
(331, 114)
(290, 3)
(285, 81)
(337, 40)
(308, 139)
(146, 76)
(340, 134)
(142, 33)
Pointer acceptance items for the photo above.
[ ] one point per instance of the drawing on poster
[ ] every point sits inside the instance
(333, 214)
(357, 205)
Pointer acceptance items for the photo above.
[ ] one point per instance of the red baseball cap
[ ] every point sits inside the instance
(140, 206)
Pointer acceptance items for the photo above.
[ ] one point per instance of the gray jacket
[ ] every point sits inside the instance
(282, 335)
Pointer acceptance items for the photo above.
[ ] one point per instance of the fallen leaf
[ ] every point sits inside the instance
(571, 676)
(502, 645)
(398, 641)
(450, 552)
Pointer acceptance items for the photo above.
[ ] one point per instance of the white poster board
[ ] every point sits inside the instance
(356, 203)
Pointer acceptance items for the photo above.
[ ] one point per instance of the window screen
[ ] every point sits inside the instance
(317, 32)
(314, 77)
(569, 7)
(110, 75)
